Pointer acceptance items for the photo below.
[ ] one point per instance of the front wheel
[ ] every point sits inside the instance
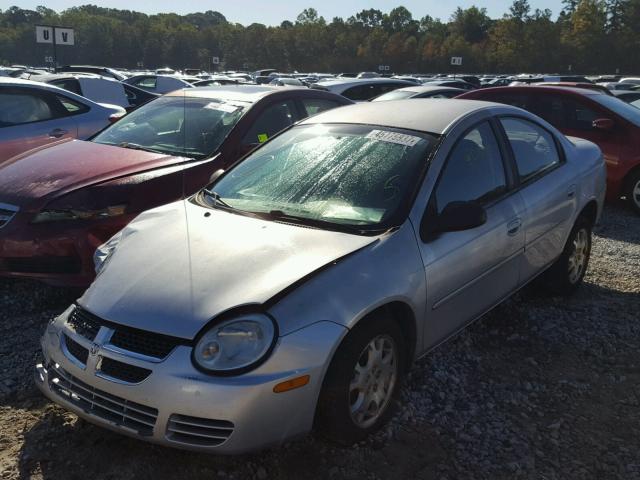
(568, 272)
(363, 381)
(633, 191)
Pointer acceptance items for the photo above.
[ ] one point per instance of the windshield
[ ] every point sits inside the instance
(625, 110)
(348, 175)
(194, 127)
(394, 95)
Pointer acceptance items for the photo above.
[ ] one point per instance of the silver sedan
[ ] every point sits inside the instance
(34, 114)
(296, 290)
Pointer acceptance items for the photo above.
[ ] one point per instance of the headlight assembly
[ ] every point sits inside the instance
(104, 252)
(235, 346)
(53, 215)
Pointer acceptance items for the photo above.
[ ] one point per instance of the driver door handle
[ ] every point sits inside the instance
(58, 132)
(513, 227)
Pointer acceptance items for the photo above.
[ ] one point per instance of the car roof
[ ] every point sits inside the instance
(433, 116)
(429, 88)
(355, 81)
(72, 75)
(242, 93)
(534, 88)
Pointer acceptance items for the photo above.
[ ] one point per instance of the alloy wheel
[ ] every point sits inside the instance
(579, 255)
(373, 381)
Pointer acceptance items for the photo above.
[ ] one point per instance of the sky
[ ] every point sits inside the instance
(272, 12)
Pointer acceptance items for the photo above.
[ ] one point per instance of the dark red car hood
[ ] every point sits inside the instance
(32, 179)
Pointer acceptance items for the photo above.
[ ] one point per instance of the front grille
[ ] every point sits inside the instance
(84, 323)
(196, 431)
(130, 339)
(7, 212)
(122, 371)
(92, 401)
(76, 350)
(143, 342)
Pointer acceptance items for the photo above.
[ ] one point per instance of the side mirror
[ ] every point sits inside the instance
(605, 124)
(215, 175)
(458, 216)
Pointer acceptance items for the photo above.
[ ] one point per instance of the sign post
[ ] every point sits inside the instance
(456, 62)
(55, 36)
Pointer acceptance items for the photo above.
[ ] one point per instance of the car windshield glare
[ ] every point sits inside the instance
(340, 175)
(176, 125)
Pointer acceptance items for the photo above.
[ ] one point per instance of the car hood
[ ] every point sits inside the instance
(32, 179)
(175, 268)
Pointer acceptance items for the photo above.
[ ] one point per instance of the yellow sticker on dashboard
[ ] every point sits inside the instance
(263, 137)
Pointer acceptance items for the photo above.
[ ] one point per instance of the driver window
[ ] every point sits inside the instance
(474, 170)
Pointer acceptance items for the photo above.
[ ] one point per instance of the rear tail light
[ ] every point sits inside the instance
(115, 117)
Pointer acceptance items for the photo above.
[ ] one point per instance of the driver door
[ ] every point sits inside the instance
(469, 271)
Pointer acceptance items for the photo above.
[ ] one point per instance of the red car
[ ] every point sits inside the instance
(605, 120)
(60, 202)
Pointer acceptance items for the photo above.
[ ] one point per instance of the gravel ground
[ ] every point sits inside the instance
(540, 388)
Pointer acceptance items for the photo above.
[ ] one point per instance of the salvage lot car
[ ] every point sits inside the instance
(34, 114)
(298, 287)
(59, 203)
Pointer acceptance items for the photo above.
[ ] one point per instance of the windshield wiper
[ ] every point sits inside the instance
(314, 223)
(217, 200)
(136, 146)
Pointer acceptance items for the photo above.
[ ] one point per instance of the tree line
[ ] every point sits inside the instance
(587, 36)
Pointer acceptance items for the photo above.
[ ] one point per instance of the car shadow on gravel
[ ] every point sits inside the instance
(620, 223)
(60, 445)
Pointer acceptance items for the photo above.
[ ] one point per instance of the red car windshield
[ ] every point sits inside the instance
(193, 127)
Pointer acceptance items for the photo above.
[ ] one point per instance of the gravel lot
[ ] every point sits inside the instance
(542, 388)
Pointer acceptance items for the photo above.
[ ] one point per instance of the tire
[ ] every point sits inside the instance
(568, 271)
(342, 415)
(632, 191)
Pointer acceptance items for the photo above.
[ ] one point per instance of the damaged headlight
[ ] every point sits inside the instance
(235, 346)
(53, 215)
(104, 252)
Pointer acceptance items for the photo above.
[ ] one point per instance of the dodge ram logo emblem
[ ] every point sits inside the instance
(95, 348)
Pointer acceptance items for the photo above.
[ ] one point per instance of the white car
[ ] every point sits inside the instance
(100, 89)
(33, 114)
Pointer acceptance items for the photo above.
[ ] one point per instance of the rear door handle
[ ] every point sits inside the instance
(572, 191)
(58, 132)
(514, 226)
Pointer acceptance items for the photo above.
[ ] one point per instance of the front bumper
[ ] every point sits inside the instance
(178, 406)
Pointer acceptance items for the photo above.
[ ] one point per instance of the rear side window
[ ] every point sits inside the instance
(72, 106)
(19, 108)
(474, 170)
(359, 92)
(273, 119)
(317, 105)
(533, 147)
(70, 84)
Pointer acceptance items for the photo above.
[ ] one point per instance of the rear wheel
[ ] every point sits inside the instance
(633, 191)
(568, 272)
(363, 382)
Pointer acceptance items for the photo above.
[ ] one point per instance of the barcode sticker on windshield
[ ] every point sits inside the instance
(393, 137)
